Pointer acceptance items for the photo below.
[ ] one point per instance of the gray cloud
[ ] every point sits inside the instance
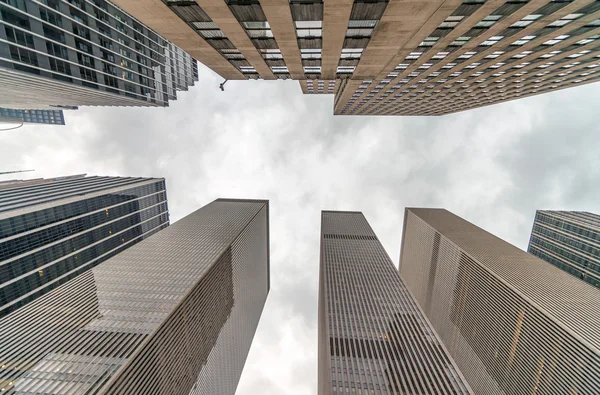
(494, 166)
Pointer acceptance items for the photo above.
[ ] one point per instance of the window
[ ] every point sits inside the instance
(346, 69)
(494, 54)
(523, 40)
(491, 41)
(359, 32)
(19, 37)
(522, 54)
(23, 55)
(310, 53)
(488, 21)
(309, 29)
(451, 21)
(550, 54)
(57, 50)
(565, 20)
(556, 40)
(527, 20)
(429, 42)
(312, 69)
(359, 23)
(280, 69)
(460, 41)
(351, 53)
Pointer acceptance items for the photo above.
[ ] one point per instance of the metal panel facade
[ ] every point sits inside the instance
(373, 337)
(53, 230)
(175, 314)
(569, 240)
(513, 323)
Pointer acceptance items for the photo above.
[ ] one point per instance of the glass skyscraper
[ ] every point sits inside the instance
(174, 314)
(513, 323)
(57, 53)
(569, 240)
(373, 337)
(52, 230)
(50, 117)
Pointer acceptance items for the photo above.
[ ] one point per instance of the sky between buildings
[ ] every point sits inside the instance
(263, 139)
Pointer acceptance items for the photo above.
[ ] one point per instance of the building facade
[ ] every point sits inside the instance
(373, 337)
(513, 323)
(58, 53)
(49, 117)
(569, 240)
(174, 314)
(52, 230)
(390, 57)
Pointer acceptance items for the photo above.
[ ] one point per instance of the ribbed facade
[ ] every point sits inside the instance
(373, 337)
(52, 230)
(390, 57)
(513, 323)
(174, 314)
(569, 240)
(57, 53)
(50, 117)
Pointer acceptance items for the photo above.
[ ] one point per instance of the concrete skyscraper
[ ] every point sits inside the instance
(58, 54)
(513, 323)
(373, 337)
(390, 57)
(174, 314)
(569, 240)
(52, 230)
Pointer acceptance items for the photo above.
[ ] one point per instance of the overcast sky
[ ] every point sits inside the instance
(263, 139)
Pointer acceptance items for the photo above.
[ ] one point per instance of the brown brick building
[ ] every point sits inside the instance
(396, 57)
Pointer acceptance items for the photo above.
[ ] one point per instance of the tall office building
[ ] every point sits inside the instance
(513, 323)
(57, 53)
(569, 240)
(49, 117)
(373, 337)
(174, 314)
(52, 230)
(390, 57)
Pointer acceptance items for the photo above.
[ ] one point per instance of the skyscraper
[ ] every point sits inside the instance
(60, 53)
(569, 240)
(373, 337)
(174, 314)
(52, 230)
(513, 323)
(50, 117)
(382, 57)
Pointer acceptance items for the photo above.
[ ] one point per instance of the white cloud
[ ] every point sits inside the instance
(494, 166)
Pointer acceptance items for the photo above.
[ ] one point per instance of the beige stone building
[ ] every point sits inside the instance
(396, 57)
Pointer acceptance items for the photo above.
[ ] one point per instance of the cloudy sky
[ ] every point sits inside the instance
(493, 166)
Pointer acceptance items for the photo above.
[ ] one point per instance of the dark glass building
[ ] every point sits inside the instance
(569, 240)
(51, 230)
(373, 337)
(174, 314)
(56, 53)
(513, 323)
(50, 117)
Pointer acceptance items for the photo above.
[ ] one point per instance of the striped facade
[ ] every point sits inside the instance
(62, 53)
(513, 323)
(390, 57)
(569, 240)
(52, 230)
(373, 337)
(174, 314)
